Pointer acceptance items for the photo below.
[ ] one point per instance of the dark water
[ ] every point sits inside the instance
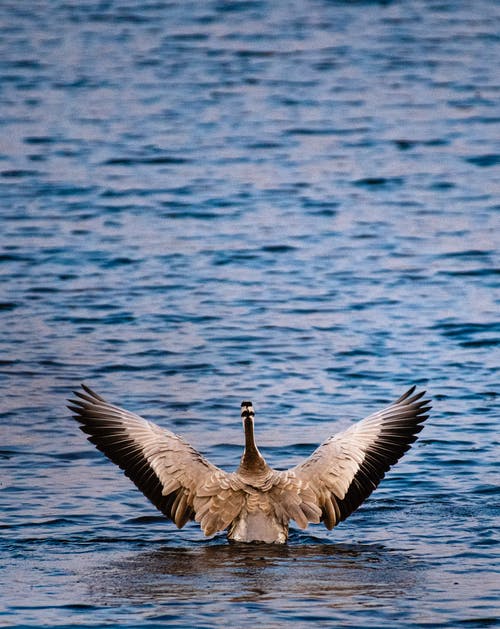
(292, 202)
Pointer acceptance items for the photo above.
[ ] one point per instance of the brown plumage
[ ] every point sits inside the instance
(255, 503)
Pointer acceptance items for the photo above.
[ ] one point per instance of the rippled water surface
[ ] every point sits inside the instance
(295, 203)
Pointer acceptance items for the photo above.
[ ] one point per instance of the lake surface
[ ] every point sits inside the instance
(295, 203)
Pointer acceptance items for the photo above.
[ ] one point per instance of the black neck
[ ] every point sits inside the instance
(252, 458)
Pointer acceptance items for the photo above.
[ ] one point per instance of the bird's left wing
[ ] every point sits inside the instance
(345, 469)
(175, 477)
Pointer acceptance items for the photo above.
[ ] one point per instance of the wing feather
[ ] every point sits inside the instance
(346, 468)
(174, 476)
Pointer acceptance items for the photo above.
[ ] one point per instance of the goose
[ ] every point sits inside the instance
(256, 502)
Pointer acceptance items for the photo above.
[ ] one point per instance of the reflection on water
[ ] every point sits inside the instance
(334, 573)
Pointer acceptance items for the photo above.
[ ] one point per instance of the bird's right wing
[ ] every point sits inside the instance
(175, 477)
(346, 468)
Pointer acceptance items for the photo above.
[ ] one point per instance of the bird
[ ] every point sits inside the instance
(255, 503)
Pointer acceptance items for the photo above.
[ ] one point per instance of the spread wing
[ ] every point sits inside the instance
(177, 479)
(346, 468)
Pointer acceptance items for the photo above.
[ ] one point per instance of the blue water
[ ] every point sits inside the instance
(295, 203)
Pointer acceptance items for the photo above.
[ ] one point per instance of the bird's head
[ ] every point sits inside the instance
(247, 414)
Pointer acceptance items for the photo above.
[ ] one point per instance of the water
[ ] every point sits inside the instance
(290, 202)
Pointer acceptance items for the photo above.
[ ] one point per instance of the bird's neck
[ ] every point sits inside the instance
(252, 460)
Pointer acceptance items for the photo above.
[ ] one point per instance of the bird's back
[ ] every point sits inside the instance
(260, 519)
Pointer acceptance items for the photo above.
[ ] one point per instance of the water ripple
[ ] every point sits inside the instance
(208, 202)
